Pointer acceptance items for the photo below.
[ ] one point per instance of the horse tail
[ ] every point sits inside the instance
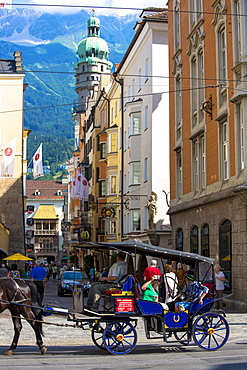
(35, 303)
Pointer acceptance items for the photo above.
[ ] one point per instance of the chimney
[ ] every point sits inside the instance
(18, 61)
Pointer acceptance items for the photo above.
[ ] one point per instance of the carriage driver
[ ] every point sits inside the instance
(116, 272)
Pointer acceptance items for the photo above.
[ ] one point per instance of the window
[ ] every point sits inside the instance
(225, 251)
(195, 11)
(139, 79)
(111, 115)
(222, 54)
(145, 169)
(112, 143)
(135, 171)
(224, 149)
(136, 220)
(177, 25)
(205, 240)
(112, 227)
(102, 188)
(102, 150)
(30, 221)
(135, 122)
(146, 70)
(178, 108)
(198, 163)
(146, 118)
(112, 184)
(30, 209)
(197, 84)
(194, 240)
(116, 109)
(179, 240)
(179, 173)
(240, 137)
(237, 31)
(133, 89)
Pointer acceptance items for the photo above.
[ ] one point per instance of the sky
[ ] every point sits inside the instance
(93, 4)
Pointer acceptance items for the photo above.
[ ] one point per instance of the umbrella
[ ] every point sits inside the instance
(17, 257)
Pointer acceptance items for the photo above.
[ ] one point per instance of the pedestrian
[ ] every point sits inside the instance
(3, 271)
(151, 271)
(38, 276)
(14, 273)
(54, 271)
(219, 287)
(92, 274)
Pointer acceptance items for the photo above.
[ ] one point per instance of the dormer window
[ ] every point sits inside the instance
(37, 192)
(59, 192)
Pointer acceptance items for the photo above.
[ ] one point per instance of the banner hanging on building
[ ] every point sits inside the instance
(73, 193)
(84, 188)
(37, 163)
(78, 184)
(6, 5)
(8, 159)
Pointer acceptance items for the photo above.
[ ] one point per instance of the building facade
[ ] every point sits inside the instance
(208, 110)
(12, 188)
(43, 219)
(145, 131)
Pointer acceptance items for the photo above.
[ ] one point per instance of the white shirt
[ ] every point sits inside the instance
(219, 283)
(171, 284)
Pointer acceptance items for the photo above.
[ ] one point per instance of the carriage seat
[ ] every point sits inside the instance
(124, 287)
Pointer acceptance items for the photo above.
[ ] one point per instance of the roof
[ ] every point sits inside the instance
(46, 189)
(149, 250)
(46, 211)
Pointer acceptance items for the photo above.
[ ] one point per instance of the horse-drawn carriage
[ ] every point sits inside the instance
(113, 327)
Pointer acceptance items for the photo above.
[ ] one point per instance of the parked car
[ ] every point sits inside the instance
(71, 279)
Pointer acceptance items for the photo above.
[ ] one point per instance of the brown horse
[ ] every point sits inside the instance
(21, 298)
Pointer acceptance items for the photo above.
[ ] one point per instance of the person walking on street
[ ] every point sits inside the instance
(219, 287)
(38, 276)
(54, 271)
(3, 271)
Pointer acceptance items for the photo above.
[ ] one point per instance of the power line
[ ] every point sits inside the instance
(144, 76)
(127, 8)
(126, 97)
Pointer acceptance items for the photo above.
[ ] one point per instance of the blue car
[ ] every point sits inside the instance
(71, 279)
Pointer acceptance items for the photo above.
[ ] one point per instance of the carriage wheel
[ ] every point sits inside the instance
(98, 336)
(210, 331)
(120, 337)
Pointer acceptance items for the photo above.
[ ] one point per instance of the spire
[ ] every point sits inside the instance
(93, 25)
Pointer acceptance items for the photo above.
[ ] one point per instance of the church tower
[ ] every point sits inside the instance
(92, 61)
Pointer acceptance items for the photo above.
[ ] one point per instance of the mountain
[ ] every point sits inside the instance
(48, 43)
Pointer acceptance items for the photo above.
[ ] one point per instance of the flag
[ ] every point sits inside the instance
(37, 163)
(78, 184)
(6, 5)
(8, 159)
(73, 193)
(84, 188)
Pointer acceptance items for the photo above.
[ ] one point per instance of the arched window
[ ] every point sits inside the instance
(225, 251)
(179, 240)
(205, 240)
(194, 239)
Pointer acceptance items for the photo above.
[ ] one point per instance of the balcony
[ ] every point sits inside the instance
(45, 232)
